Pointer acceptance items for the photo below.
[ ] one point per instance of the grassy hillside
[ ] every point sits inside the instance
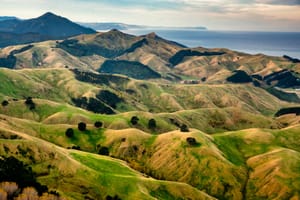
(230, 165)
(79, 175)
(211, 108)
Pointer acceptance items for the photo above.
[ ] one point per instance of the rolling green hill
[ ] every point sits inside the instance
(79, 175)
(226, 165)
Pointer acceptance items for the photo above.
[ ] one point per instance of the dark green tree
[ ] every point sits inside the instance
(98, 124)
(191, 141)
(82, 126)
(4, 103)
(103, 151)
(134, 120)
(69, 132)
(29, 102)
(184, 128)
(152, 124)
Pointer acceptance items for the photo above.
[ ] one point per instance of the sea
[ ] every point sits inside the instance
(252, 42)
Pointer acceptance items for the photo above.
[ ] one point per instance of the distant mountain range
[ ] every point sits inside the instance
(2, 18)
(122, 26)
(46, 27)
(14, 31)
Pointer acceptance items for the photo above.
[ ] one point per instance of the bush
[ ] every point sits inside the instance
(82, 126)
(152, 124)
(103, 151)
(98, 124)
(69, 132)
(116, 197)
(4, 103)
(134, 120)
(191, 141)
(75, 147)
(184, 128)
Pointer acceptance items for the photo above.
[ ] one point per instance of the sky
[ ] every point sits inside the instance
(255, 15)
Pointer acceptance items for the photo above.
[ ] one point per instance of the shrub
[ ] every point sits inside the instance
(103, 151)
(69, 132)
(116, 197)
(4, 103)
(75, 147)
(98, 124)
(184, 128)
(191, 141)
(134, 120)
(152, 124)
(82, 126)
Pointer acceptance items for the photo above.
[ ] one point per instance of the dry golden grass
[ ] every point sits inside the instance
(274, 175)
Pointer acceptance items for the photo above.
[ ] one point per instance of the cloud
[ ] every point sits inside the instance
(279, 2)
(215, 14)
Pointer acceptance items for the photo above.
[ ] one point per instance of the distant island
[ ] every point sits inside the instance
(123, 26)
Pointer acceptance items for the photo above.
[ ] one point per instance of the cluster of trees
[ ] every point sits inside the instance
(28, 102)
(19, 182)
(116, 197)
(151, 123)
(11, 191)
(81, 127)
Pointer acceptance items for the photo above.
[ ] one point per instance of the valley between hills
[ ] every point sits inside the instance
(116, 116)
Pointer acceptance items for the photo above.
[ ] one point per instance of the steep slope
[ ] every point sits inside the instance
(8, 24)
(46, 27)
(51, 25)
(173, 61)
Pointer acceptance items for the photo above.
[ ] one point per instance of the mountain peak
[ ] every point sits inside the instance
(152, 35)
(48, 15)
(50, 25)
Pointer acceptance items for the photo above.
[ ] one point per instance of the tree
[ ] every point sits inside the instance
(69, 132)
(134, 120)
(4, 103)
(98, 124)
(13, 170)
(82, 126)
(191, 141)
(184, 128)
(103, 151)
(152, 124)
(9, 187)
(29, 102)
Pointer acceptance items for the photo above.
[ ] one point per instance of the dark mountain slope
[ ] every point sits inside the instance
(108, 45)
(52, 25)
(8, 25)
(46, 27)
(129, 68)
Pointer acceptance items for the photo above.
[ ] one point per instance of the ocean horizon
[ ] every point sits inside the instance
(252, 42)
